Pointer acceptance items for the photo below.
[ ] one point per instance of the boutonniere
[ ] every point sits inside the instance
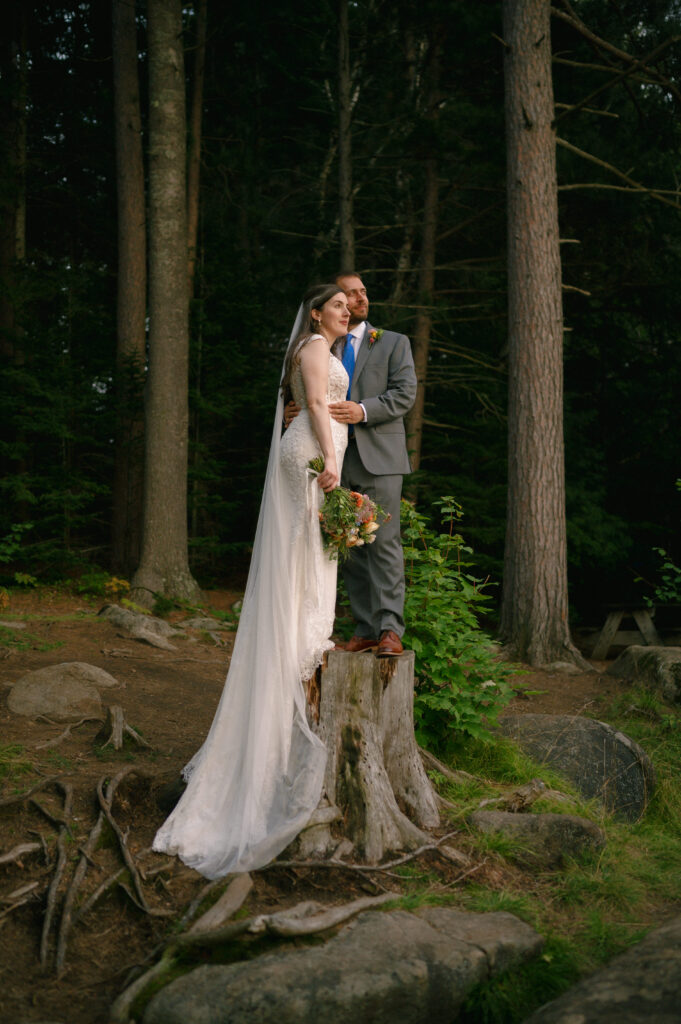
(375, 336)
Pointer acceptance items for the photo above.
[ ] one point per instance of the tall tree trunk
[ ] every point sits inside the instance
(164, 566)
(534, 617)
(426, 278)
(424, 319)
(347, 226)
(194, 161)
(13, 95)
(132, 295)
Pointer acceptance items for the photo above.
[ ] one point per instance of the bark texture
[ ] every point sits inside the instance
(164, 566)
(194, 161)
(374, 774)
(347, 226)
(13, 101)
(534, 620)
(426, 280)
(131, 295)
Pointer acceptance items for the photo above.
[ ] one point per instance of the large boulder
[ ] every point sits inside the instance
(65, 692)
(599, 760)
(541, 840)
(642, 986)
(414, 968)
(657, 668)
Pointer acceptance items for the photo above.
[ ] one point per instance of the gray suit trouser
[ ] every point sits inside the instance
(374, 573)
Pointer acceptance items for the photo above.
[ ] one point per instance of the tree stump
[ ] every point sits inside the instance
(374, 773)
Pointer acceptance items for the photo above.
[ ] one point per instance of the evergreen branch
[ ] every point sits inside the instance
(635, 185)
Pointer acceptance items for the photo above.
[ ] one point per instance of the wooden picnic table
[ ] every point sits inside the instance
(611, 633)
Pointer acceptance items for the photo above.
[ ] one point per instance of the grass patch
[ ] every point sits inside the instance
(20, 640)
(591, 910)
(13, 761)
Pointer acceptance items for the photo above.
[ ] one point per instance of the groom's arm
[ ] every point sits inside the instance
(400, 393)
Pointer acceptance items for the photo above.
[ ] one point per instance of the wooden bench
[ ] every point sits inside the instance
(611, 633)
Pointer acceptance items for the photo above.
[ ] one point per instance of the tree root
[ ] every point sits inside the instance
(364, 868)
(14, 855)
(307, 918)
(7, 801)
(451, 774)
(67, 790)
(89, 903)
(105, 803)
(78, 876)
(64, 735)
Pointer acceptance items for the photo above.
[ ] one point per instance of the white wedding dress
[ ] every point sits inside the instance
(258, 777)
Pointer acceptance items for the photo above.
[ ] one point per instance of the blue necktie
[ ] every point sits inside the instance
(349, 364)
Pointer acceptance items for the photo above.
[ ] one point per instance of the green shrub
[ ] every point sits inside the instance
(461, 683)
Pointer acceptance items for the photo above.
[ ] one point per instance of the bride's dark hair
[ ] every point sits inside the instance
(314, 298)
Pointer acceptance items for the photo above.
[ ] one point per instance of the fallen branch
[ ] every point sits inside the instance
(17, 852)
(58, 871)
(364, 868)
(298, 920)
(6, 801)
(465, 874)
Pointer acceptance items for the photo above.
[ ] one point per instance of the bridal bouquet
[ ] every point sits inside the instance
(348, 519)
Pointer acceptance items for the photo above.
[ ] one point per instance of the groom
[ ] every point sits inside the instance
(382, 390)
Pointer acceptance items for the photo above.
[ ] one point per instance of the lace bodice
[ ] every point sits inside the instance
(337, 387)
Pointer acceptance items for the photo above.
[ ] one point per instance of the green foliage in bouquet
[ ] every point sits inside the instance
(347, 518)
(461, 683)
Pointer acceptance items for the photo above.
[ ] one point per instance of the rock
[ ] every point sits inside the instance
(63, 692)
(599, 760)
(657, 668)
(411, 968)
(127, 619)
(642, 986)
(567, 667)
(543, 840)
(204, 623)
(141, 627)
(12, 625)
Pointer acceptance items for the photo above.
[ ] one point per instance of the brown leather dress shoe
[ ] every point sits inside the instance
(389, 646)
(357, 644)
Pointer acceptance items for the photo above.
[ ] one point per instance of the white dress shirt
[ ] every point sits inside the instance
(357, 334)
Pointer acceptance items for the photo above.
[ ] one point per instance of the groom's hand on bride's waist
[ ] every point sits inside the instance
(291, 410)
(347, 412)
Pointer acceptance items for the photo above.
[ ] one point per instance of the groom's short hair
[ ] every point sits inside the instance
(346, 273)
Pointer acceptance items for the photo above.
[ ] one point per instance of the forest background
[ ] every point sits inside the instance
(424, 119)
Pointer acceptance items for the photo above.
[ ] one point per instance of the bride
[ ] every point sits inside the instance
(258, 777)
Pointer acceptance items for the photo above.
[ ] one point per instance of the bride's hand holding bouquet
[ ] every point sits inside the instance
(347, 518)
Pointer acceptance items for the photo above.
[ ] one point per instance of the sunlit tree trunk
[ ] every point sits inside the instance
(164, 566)
(534, 619)
(131, 295)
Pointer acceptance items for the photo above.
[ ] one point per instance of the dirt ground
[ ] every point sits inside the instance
(170, 698)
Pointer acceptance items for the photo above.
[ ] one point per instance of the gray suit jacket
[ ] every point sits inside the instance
(384, 382)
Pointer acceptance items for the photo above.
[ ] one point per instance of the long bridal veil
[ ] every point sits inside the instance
(257, 778)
